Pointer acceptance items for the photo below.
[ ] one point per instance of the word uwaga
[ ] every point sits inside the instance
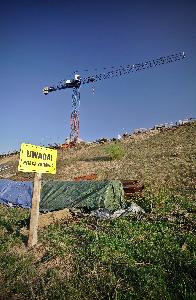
(39, 155)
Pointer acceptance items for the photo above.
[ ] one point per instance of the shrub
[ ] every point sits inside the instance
(115, 151)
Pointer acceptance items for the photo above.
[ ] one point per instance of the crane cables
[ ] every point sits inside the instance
(123, 70)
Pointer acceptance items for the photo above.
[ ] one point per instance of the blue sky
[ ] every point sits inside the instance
(43, 42)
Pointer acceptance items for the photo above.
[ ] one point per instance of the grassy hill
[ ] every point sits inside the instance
(136, 257)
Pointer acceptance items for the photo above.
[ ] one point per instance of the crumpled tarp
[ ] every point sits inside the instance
(56, 195)
(16, 193)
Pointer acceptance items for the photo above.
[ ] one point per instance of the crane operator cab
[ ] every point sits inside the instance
(75, 82)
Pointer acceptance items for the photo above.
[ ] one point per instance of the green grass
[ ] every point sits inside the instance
(152, 256)
(127, 258)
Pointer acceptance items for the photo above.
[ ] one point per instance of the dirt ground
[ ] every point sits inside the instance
(54, 217)
(49, 218)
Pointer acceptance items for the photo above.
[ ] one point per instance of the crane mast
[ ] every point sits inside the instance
(76, 82)
(75, 116)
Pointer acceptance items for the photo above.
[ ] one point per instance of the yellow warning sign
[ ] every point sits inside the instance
(37, 159)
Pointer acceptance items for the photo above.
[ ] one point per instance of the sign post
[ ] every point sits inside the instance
(35, 210)
(39, 160)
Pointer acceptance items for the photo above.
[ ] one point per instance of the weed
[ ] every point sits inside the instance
(115, 151)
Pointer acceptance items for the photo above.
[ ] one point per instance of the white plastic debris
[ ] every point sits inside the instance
(118, 213)
(102, 213)
(135, 208)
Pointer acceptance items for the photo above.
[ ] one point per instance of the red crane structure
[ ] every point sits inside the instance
(76, 82)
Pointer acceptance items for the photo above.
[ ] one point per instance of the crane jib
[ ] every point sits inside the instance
(122, 70)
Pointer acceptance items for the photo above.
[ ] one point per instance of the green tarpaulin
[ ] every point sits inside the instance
(56, 195)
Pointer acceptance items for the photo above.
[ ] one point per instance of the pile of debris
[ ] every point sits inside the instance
(137, 132)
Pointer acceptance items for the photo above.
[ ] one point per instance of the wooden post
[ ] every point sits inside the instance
(35, 210)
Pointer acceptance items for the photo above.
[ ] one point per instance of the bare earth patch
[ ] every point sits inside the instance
(54, 217)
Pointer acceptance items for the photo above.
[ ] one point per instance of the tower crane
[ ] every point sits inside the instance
(77, 81)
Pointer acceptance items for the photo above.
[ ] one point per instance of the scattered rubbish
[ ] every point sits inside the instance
(4, 167)
(102, 213)
(9, 154)
(64, 146)
(135, 208)
(102, 141)
(7, 170)
(79, 212)
(118, 213)
(132, 135)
